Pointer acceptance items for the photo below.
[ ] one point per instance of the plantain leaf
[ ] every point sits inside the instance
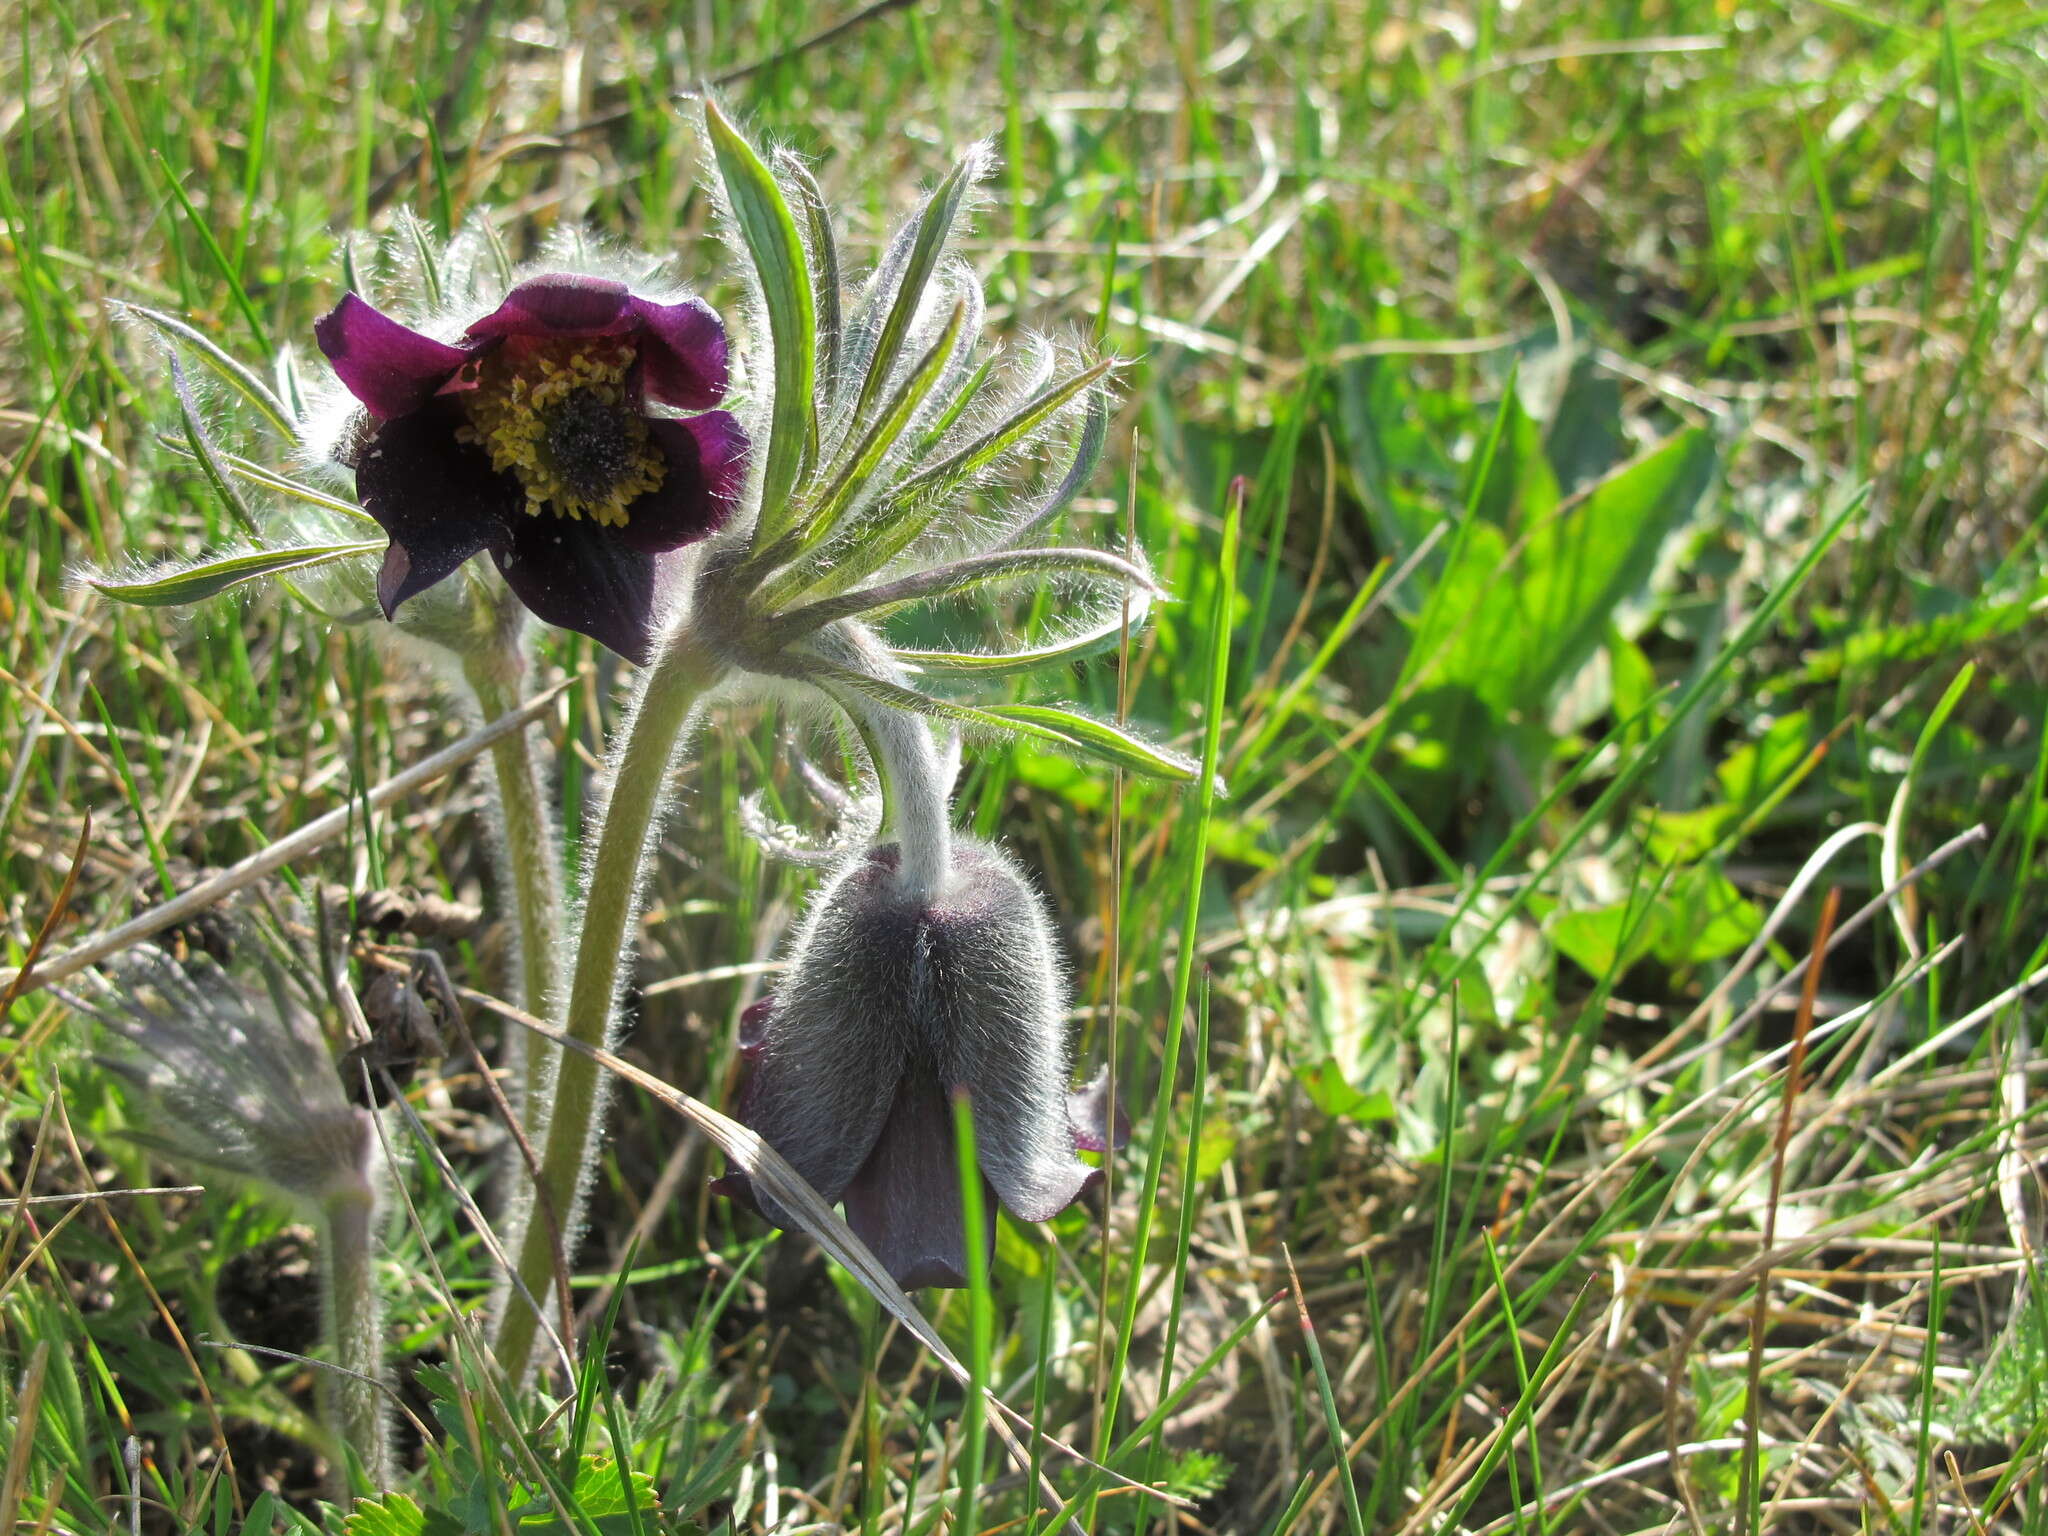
(210, 578)
(769, 231)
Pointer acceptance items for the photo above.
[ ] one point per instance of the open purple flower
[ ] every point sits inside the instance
(531, 438)
(889, 1007)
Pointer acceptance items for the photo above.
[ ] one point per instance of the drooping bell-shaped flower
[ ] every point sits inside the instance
(544, 433)
(894, 1001)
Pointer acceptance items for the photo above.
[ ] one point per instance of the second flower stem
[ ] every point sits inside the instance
(642, 763)
(533, 870)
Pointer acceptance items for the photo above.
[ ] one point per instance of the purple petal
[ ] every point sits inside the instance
(754, 1026)
(439, 499)
(682, 353)
(1097, 1122)
(560, 304)
(1004, 1032)
(905, 1201)
(817, 1090)
(391, 368)
(577, 574)
(706, 462)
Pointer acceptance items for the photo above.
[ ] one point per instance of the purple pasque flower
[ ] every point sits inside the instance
(532, 437)
(889, 1007)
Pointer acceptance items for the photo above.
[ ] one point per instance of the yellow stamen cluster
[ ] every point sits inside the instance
(557, 414)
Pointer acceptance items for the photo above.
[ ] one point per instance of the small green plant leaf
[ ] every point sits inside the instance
(210, 578)
(825, 256)
(926, 494)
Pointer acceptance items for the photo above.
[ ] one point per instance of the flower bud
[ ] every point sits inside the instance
(240, 1083)
(892, 1003)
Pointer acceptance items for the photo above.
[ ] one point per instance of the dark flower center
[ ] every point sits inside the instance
(590, 445)
(560, 417)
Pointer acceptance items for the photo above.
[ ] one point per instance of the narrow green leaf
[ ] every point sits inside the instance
(825, 253)
(956, 577)
(210, 578)
(271, 480)
(867, 458)
(924, 496)
(770, 234)
(928, 242)
(1087, 454)
(1097, 636)
(203, 450)
(1064, 730)
(243, 380)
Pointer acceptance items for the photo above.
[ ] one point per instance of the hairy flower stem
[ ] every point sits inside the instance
(643, 761)
(533, 872)
(351, 1402)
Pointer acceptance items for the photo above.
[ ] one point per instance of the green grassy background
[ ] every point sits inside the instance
(1642, 408)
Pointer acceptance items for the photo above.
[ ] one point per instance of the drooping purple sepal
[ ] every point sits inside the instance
(560, 304)
(905, 1202)
(437, 497)
(390, 367)
(682, 353)
(577, 574)
(704, 458)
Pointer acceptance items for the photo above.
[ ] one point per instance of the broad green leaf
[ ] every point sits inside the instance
(1328, 1090)
(210, 578)
(1586, 438)
(1521, 489)
(769, 231)
(1512, 620)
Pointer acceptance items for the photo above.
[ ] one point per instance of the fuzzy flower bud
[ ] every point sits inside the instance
(245, 1084)
(238, 1083)
(894, 1001)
